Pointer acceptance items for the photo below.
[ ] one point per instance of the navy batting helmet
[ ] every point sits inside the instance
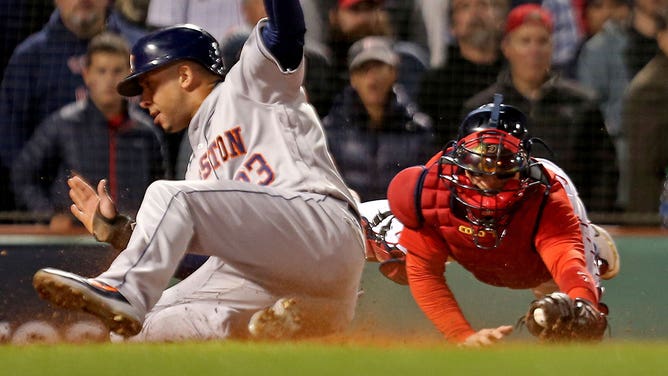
(179, 42)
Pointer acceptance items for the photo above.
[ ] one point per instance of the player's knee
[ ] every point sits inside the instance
(187, 322)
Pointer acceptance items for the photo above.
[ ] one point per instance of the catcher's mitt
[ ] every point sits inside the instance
(558, 318)
(378, 249)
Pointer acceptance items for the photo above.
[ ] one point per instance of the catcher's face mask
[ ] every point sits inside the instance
(489, 181)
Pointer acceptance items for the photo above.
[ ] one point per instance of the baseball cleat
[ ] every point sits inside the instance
(70, 291)
(279, 321)
(608, 257)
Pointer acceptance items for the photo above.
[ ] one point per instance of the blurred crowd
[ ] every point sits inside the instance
(390, 79)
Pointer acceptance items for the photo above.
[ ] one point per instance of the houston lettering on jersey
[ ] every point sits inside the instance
(230, 145)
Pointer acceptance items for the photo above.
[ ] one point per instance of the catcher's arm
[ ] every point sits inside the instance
(98, 213)
(558, 318)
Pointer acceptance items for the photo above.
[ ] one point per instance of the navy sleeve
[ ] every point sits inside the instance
(284, 33)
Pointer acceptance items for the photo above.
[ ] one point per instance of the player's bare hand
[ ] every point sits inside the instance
(487, 337)
(86, 201)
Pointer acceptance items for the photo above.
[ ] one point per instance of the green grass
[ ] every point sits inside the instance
(314, 358)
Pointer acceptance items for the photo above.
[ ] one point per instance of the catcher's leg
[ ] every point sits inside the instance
(608, 257)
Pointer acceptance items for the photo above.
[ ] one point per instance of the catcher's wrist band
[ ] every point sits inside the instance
(115, 231)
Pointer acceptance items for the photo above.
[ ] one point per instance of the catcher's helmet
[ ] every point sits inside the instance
(491, 143)
(495, 116)
(179, 42)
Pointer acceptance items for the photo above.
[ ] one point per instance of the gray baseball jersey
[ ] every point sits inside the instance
(258, 127)
(293, 231)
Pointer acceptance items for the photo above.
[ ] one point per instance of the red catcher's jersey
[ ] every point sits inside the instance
(520, 261)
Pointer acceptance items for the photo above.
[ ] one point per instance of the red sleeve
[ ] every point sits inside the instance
(425, 266)
(559, 243)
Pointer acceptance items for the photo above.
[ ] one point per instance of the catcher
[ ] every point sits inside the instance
(511, 220)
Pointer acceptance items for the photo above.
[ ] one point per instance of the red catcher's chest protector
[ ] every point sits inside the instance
(417, 196)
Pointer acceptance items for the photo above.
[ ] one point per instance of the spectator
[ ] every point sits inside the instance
(642, 45)
(596, 13)
(44, 71)
(567, 35)
(601, 64)
(20, 18)
(562, 113)
(215, 16)
(437, 26)
(103, 136)
(352, 20)
(474, 62)
(349, 21)
(134, 11)
(645, 122)
(220, 17)
(373, 129)
(131, 16)
(609, 60)
(408, 21)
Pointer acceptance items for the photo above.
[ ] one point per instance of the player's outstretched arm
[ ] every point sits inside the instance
(284, 34)
(487, 337)
(98, 212)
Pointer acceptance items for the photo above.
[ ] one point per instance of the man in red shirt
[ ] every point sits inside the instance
(509, 219)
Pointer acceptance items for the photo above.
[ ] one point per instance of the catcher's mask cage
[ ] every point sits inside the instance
(492, 142)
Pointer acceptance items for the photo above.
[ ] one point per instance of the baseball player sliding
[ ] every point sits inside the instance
(261, 196)
(511, 220)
